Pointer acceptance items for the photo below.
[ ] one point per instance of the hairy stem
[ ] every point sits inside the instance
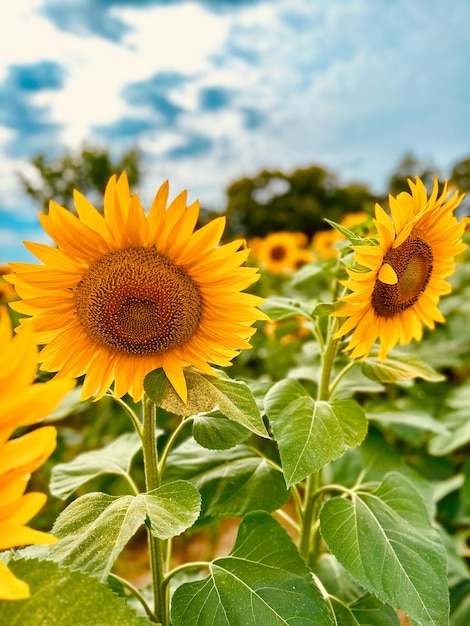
(152, 481)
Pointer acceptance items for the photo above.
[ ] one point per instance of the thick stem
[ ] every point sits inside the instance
(152, 481)
(311, 486)
(311, 506)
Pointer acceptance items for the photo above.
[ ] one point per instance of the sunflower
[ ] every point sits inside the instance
(22, 403)
(282, 252)
(126, 292)
(406, 273)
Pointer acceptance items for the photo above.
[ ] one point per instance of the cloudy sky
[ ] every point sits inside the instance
(212, 90)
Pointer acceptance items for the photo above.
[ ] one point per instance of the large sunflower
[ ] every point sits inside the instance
(406, 271)
(125, 293)
(22, 402)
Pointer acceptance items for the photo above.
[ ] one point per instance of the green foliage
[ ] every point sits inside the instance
(113, 459)
(311, 433)
(60, 597)
(300, 201)
(95, 528)
(233, 398)
(407, 565)
(231, 482)
(263, 581)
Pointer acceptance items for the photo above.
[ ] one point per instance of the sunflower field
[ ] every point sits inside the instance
(262, 432)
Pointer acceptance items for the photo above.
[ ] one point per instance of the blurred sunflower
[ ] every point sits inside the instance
(22, 403)
(282, 252)
(417, 247)
(126, 293)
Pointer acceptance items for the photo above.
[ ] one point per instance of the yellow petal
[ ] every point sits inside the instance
(387, 275)
(11, 587)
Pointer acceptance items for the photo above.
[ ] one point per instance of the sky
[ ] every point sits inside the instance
(213, 90)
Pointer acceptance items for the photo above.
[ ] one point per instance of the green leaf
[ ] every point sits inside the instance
(235, 401)
(387, 542)
(457, 435)
(310, 434)
(417, 419)
(94, 529)
(113, 459)
(60, 597)
(232, 398)
(367, 611)
(172, 508)
(351, 236)
(231, 482)
(399, 366)
(306, 273)
(216, 432)
(280, 308)
(263, 582)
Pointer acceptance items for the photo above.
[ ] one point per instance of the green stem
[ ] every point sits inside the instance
(169, 444)
(152, 481)
(311, 504)
(182, 568)
(311, 486)
(130, 413)
(135, 592)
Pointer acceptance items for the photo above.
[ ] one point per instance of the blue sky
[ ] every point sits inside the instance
(215, 90)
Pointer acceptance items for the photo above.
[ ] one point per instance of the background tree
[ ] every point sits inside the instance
(88, 170)
(273, 201)
(411, 166)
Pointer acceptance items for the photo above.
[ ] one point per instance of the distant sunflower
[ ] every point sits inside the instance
(282, 252)
(126, 293)
(22, 403)
(417, 247)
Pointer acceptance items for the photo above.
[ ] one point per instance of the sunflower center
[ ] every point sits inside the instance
(135, 300)
(278, 253)
(412, 262)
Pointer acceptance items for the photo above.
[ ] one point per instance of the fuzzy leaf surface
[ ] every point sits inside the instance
(399, 366)
(214, 431)
(94, 529)
(60, 597)
(386, 541)
(116, 458)
(232, 398)
(231, 482)
(309, 433)
(263, 582)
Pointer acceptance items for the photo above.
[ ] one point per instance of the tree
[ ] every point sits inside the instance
(411, 167)
(273, 201)
(88, 170)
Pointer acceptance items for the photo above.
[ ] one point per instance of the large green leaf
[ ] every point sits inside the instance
(94, 529)
(232, 398)
(385, 539)
(113, 459)
(310, 434)
(172, 508)
(60, 597)
(231, 482)
(216, 432)
(264, 582)
(399, 366)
